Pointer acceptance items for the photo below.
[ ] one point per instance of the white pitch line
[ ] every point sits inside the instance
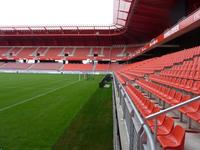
(34, 97)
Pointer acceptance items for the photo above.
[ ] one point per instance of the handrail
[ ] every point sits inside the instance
(142, 122)
(172, 108)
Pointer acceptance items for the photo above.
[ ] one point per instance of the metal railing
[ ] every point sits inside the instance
(151, 139)
(169, 109)
(138, 133)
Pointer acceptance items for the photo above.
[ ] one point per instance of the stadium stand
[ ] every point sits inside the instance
(46, 66)
(53, 53)
(3, 51)
(26, 53)
(172, 81)
(78, 67)
(153, 52)
(81, 53)
(68, 53)
(15, 66)
(102, 67)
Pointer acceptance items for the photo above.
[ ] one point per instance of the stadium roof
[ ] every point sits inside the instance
(134, 22)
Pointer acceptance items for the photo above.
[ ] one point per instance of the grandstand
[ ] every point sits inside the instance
(152, 51)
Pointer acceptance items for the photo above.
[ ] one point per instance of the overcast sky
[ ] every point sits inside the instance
(56, 12)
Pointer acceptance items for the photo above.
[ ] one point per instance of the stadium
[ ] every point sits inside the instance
(131, 85)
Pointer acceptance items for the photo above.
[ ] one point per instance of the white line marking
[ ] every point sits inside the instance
(34, 97)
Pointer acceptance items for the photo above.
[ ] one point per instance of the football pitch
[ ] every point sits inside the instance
(43, 111)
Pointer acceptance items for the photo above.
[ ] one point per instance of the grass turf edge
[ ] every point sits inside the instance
(92, 127)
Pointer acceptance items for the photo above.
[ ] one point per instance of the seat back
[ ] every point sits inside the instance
(195, 105)
(151, 107)
(169, 123)
(179, 133)
(178, 96)
(172, 93)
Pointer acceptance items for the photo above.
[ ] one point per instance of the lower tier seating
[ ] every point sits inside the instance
(102, 67)
(184, 84)
(163, 82)
(15, 66)
(78, 67)
(46, 66)
(168, 135)
(173, 97)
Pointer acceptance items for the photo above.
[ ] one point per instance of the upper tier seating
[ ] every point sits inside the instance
(116, 53)
(69, 53)
(81, 53)
(4, 51)
(53, 53)
(26, 53)
(97, 51)
(106, 53)
(14, 51)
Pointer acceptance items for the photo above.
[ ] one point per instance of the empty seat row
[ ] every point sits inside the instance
(173, 97)
(76, 53)
(184, 84)
(120, 78)
(166, 131)
(140, 69)
(187, 74)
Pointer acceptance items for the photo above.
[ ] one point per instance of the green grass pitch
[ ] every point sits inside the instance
(42, 112)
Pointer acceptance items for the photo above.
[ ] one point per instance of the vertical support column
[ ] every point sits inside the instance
(155, 131)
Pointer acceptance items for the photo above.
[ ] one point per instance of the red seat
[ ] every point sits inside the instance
(183, 83)
(166, 127)
(147, 110)
(177, 98)
(170, 96)
(196, 87)
(173, 141)
(192, 107)
(189, 84)
(120, 78)
(194, 115)
(192, 74)
(160, 120)
(197, 75)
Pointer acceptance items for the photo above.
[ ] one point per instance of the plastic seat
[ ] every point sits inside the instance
(160, 120)
(183, 83)
(189, 85)
(177, 98)
(196, 87)
(147, 110)
(166, 127)
(194, 115)
(192, 107)
(197, 75)
(173, 141)
(192, 74)
(170, 96)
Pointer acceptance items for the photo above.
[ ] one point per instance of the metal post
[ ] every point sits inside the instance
(155, 131)
(189, 122)
(181, 117)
